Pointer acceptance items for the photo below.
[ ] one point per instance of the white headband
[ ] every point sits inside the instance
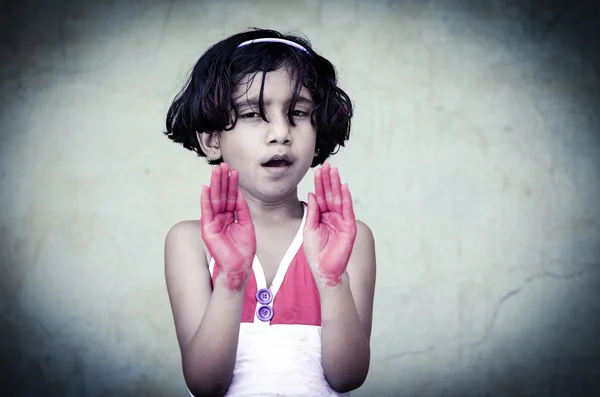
(274, 40)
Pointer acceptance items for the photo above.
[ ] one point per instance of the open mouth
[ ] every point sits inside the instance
(278, 161)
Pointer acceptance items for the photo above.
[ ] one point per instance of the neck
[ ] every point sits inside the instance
(274, 212)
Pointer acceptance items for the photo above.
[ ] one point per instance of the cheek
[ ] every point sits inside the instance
(308, 138)
(236, 151)
(312, 147)
(306, 152)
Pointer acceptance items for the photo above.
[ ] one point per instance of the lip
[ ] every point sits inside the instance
(278, 171)
(283, 157)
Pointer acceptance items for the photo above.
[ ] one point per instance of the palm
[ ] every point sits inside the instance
(231, 242)
(330, 227)
(227, 236)
(330, 237)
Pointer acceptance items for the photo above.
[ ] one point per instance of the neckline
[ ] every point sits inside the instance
(284, 264)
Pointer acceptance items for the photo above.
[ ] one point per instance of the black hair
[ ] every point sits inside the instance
(206, 103)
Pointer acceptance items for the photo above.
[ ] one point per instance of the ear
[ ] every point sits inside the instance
(210, 144)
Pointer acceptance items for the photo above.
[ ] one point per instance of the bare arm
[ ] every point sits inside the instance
(207, 321)
(346, 314)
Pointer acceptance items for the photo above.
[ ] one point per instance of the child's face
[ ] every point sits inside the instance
(253, 142)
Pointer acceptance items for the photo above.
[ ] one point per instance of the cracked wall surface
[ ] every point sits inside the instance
(474, 157)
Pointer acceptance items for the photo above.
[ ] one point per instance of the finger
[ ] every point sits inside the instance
(325, 175)
(319, 192)
(347, 207)
(224, 185)
(206, 214)
(242, 212)
(232, 191)
(215, 190)
(313, 214)
(336, 191)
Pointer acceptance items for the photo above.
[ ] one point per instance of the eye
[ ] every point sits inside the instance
(298, 113)
(248, 115)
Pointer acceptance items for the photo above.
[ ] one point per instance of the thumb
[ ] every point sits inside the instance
(313, 216)
(242, 211)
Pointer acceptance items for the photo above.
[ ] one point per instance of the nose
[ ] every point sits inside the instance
(278, 130)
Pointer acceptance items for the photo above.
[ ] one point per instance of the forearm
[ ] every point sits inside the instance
(209, 359)
(344, 342)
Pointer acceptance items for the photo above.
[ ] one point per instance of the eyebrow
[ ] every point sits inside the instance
(254, 101)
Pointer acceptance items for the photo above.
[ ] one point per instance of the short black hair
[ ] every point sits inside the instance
(206, 103)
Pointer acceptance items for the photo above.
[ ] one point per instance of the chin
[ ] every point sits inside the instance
(275, 194)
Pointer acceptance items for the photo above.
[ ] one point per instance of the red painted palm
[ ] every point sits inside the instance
(227, 228)
(330, 228)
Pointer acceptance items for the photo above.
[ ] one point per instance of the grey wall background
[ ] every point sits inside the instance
(474, 158)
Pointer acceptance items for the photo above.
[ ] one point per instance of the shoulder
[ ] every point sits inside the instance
(363, 232)
(362, 258)
(184, 231)
(185, 236)
(185, 227)
(364, 237)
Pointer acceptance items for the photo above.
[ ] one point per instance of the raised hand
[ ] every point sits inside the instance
(330, 228)
(227, 228)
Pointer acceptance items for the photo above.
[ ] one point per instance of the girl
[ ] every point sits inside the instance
(270, 295)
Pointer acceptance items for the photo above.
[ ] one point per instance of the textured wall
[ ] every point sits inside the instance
(474, 157)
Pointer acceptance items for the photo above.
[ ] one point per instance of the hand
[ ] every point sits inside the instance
(231, 243)
(330, 228)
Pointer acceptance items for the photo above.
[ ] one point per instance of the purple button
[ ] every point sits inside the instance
(264, 313)
(264, 296)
